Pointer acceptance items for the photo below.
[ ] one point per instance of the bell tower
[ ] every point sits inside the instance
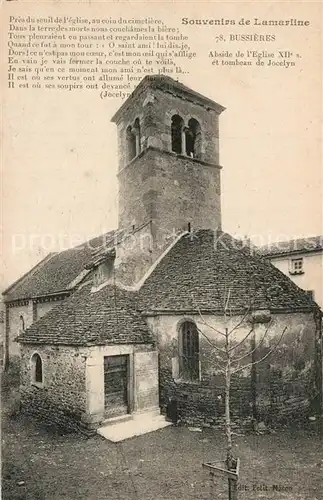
(168, 147)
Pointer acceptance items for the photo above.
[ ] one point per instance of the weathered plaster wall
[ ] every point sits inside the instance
(283, 383)
(62, 399)
(146, 380)
(43, 308)
(311, 279)
(13, 324)
(30, 311)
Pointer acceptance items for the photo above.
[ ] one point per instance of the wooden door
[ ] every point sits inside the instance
(116, 374)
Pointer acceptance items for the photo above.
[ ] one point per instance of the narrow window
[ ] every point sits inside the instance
(177, 128)
(193, 139)
(136, 131)
(37, 369)
(189, 351)
(133, 140)
(22, 324)
(34, 312)
(131, 144)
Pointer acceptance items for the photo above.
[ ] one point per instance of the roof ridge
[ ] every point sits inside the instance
(301, 238)
(295, 245)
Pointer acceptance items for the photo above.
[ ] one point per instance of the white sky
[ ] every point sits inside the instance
(59, 149)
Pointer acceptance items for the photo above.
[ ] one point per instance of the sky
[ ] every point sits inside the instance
(59, 156)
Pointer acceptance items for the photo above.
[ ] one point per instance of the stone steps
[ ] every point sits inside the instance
(116, 420)
(136, 425)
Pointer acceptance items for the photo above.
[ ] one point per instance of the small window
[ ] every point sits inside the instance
(189, 351)
(37, 369)
(296, 266)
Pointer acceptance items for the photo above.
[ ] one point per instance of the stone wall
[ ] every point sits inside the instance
(171, 191)
(134, 256)
(282, 387)
(71, 395)
(160, 190)
(61, 401)
(157, 178)
(154, 109)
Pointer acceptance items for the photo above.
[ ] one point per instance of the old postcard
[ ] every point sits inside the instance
(161, 313)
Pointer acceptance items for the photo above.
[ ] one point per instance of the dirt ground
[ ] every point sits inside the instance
(164, 465)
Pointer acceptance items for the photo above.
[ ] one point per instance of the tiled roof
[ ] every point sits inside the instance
(107, 316)
(57, 272)
(195, 274)
(300, 245)
(101, 252)
(200, 269)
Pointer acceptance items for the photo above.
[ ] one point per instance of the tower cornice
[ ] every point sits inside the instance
(167, 85)
(171, 153)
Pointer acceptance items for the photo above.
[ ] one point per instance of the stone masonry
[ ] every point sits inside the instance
(284, 381)
(71, 395)
(62, 399)
(157, 178)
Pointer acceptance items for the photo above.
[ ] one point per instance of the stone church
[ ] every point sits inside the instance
(118, 333)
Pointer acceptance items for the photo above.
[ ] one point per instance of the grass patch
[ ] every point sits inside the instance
(162, 465)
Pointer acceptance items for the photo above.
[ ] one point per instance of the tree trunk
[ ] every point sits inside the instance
(228, 421)
(227, 404)
(232, 485)
(254, 381)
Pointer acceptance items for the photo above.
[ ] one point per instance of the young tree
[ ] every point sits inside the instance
(232, 355)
